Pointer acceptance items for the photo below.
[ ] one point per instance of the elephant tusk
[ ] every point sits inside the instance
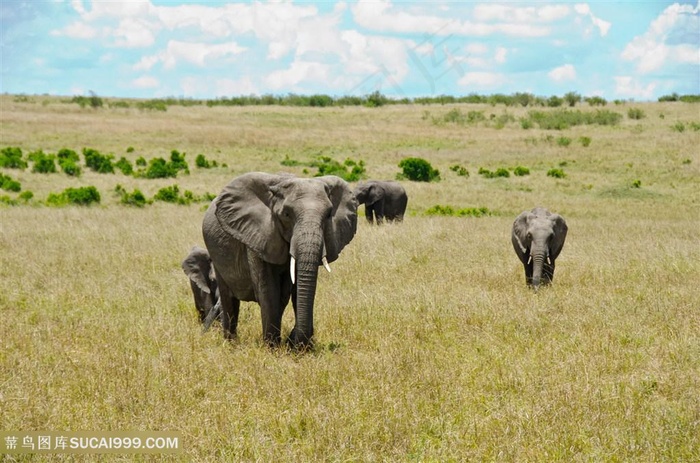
(325, 264)
(529, 260)
(292, 268)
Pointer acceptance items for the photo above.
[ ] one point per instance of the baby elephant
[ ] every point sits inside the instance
(382, 199)
(538, 236)
(198, 267)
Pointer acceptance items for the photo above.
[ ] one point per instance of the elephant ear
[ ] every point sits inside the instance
(343, 221)
(196, 266)
(375, 193)
(560, 229)
(519, 236)
(243, 210)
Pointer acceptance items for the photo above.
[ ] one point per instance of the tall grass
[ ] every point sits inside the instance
(429, 347)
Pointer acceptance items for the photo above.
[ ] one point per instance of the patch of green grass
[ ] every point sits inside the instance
(521, 171)
(459, 170)
(556, 173)
(500, 172)
(461, 212)
(82, 196)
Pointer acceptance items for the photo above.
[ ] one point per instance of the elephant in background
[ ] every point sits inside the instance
(382, 199)
(538, 237)
(198, 268)
(267, 235)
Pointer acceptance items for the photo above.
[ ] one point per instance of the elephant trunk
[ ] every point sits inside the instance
(307, 252)
(538, 258)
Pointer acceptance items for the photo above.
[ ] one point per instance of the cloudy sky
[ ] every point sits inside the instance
(208, 49)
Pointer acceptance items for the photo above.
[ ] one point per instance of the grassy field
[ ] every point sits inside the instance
(429, 347)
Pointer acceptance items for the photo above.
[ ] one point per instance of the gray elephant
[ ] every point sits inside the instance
(198, 268)
(538, 237)
(267, 236)
(382, 200)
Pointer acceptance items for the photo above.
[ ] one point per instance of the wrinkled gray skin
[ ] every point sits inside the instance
(538, 237)
(254, 228)
(382, 200)
(198, 268)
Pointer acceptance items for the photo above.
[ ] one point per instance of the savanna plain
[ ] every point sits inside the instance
(428, 345)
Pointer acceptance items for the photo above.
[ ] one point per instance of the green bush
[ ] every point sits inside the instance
(459, 170)
(26, 196)
(68, 155)
(439, 210)
(4, 199)
(521, 171)
(585, 141)
(678, 127)
(11, 158)
(636, 113)
(563, 141)
(561, 119)
(203, 163)
(70, 167)
(177, 161)
(170, 194)
(141, 162)
(124, 166)
(98, 162)
(350, 171)
(135, 198)
(9, 184)
(418, 170)
(43, 163)
(556, 173)
(289, 162)
(130, 149)
(159, 168)
(500, 172)
(637, 184)
(82, 196)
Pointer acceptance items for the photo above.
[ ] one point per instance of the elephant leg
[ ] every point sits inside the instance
(379, 212)
(369, 213)
(266, 281)
(230, 307)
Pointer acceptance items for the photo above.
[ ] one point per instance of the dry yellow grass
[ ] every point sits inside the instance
(429, 346)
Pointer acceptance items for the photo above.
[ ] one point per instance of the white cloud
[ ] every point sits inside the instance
(500, 56)
(584, 9)
(652, 50)
(134, 33)
(298, 72)
(199, 54)
(242, 86)
(482, 79)
(563, 73)
(508, 13)
(627, 86)
(77, 30)
(145, 82)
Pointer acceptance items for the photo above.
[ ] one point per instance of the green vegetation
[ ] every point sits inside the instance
(418, 170)
(135, 198)
(98, 162)
(11, 158)
(521, 171)
(124, 166)
(462, 212)
(82, 196)
(563, 119)
(556, 173)
(585, 141)
(500, 172)
(636, 113)
(9, 184)
(43, 163)
(203, 163)
(349, 170)
(459, 170)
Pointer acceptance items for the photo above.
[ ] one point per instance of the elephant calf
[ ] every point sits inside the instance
(382, 199)
(538, 237)
(199, 269)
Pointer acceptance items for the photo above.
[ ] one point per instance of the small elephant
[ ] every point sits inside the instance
(382, 199)
(267, 236)
(538, 237)
(198, 268)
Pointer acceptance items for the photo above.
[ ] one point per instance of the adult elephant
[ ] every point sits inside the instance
(538, 237)
(382, 199)
(197, 266)
(267, 235)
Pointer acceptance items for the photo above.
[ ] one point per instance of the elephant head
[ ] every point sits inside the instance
(198, 268)
(538, 237)
(382, 199)
(284, 221)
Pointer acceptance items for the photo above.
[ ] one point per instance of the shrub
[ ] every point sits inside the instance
(572, 98)
(4, 199)
(9, 184)
(350, 171)
(68, 155)
(521, 171)
(26, 196)
(70, 167)
(11, 157)
(562, 119)
(43, 163)
(98, 162)
(585, 141)
(556, 173)
(440, 210)
(418, 170)
(636, 113)
(203, 163)
(678, 127)
(177, 161)
(130, 149)
(596, 101)
(82, 196)
(563, 141)
(500, 172)
(459, 170)
(135, 198)
(124, 166)
(141, 162)
(168, 194)
(152, 105)
(289, 162)
(159, 168)
(637, 184)
(526, 123)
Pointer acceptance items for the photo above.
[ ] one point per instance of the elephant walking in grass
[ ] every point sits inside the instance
(267, 235)
(198, 268)
(538, 237)
(382, 200)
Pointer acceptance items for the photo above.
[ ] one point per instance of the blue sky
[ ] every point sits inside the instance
(210, 49)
